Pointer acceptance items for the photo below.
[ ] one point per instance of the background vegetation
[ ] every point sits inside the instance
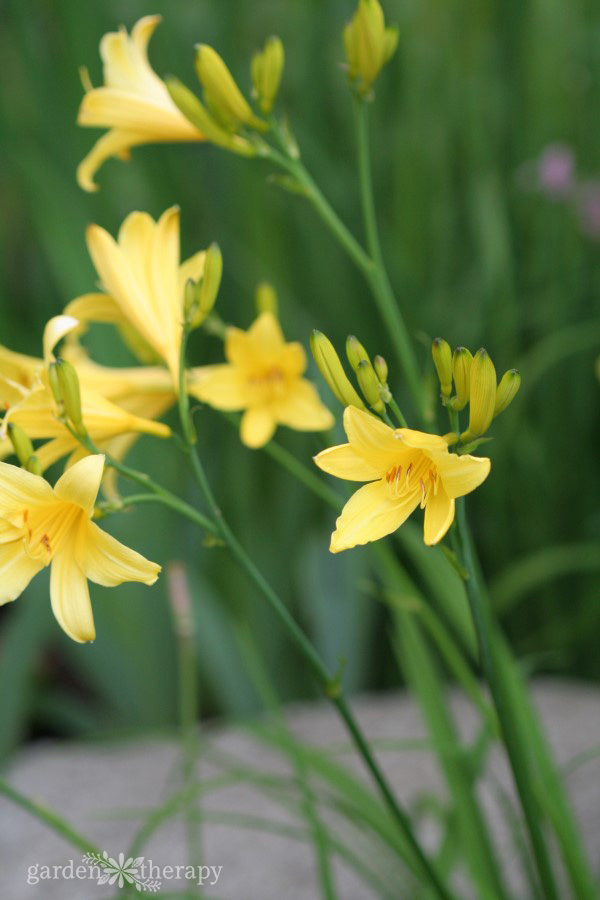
(476, 89)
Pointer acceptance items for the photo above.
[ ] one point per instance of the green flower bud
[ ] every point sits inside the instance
(442, 360)
(507, 390)
(381, 368)
(200, 296)
(221, 93)
(370, 386)
(461, 372)
(21, 443)
(332, 370)
(189, 105)
(69, 395)
(34, 465)
(482, 395)
(355, 352)
(266, 70)
(368, 44)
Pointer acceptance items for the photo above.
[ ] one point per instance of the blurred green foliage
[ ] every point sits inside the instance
(476, 89)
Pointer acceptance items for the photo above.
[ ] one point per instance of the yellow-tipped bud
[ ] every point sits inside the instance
(266, 298)
(267, 69)
(188, 104)
(65, 387)
(21, 443)
(442, 360)
(381, 369)
(461, 372)
(332, 370)
(507, 390)
(200, 296)
(482, 395)
(368, 44)
(355, 352)
(221, 93)
(369, 385)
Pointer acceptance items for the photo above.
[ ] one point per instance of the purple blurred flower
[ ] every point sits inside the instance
(552, 173)
(588, 207)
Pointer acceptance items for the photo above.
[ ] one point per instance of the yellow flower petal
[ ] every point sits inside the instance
(258, 426)
(238, 348)
(267, 337)
(369, 515)
(301, 408)
(116, 142)
(292, 359)
(439, 513)
(222, 386)
(16, 570)
(344, 462)
(20, 489)
(461, 474)
(80, 484)
(95, 308)
(420, 440)
(70, 596)
(56, 329)
(372, 439)
(106, 561)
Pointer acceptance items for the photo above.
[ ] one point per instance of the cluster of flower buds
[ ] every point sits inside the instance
(200, 296)
(474, 381)
(369, 45)
(371, 376)
(225, 117)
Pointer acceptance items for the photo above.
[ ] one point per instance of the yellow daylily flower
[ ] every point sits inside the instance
(405, 469)
(133, 103)
(145, 281)
(41, 526)
(262, 377)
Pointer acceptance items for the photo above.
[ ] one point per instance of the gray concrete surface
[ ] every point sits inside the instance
(105, 790)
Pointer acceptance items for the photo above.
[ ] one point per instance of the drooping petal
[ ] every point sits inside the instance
(372, 439)
(301, 408)
(56, 329)
(222, 386)
(439, 514)
(370, 514)
(461, 474)
(258, 426)
(80, 484)
(116, 142)
(344, 462)
(16, 570)
(70, 596)
(20, 489)
(104, 560)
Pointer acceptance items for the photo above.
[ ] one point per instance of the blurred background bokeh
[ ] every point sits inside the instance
(484, 247)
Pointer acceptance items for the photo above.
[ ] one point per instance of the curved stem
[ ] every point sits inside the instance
(485, 629)
(329, 684)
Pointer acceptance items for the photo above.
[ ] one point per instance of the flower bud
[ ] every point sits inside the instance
(64, 382)
(189, 105)
(355, 352)
(381, 369)
(506, 391)
(34, 465)
(461, 372)
(266, 298)
(368, 44)
(266, 69)
(482, 395)
(21, 443)
(199, 296)
(369, 385)
(332, 370)
(442, 360)
(222, 95)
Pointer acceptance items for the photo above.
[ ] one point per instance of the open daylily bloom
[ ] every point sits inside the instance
(405, 469)
(133, 103)
(143, 280)
(41, 526)
(262, 377)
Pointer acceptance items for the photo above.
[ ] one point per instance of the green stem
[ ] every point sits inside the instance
(397, 412)
(329, 684)
(485, 628)
(49, 818)
(378, 277)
